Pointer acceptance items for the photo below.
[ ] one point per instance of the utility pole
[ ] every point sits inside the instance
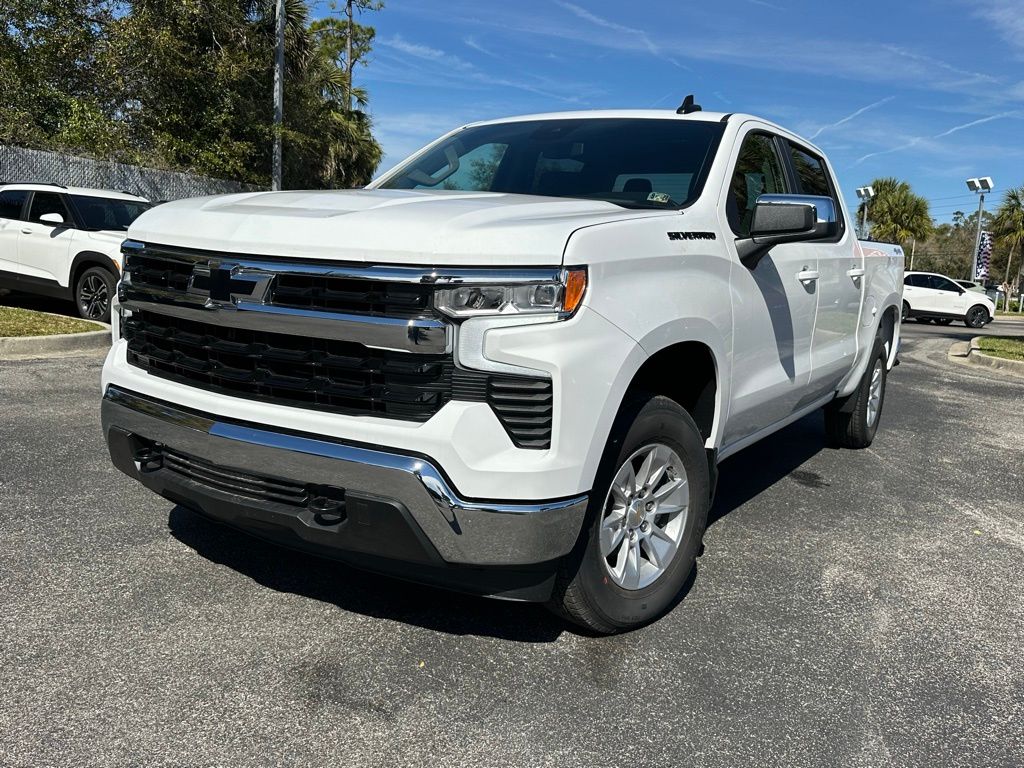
(348, 52)
(913, 249)
(980, 187)
(275, 173)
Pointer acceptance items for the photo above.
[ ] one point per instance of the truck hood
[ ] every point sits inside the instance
(381, 225)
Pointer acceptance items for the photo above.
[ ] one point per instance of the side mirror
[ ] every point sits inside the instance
(787, 219)
(52, 218)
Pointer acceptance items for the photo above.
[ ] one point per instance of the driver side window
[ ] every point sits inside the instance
(759, 171)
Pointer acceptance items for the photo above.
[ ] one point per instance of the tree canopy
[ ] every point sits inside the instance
(186, 85)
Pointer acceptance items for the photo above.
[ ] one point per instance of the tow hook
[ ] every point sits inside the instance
(149, 458)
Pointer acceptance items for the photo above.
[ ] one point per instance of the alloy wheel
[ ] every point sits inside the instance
(644, 516)
(875, 393)
(94, 297)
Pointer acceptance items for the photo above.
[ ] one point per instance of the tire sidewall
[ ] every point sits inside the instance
(659, 420)
(878, 356)
(969, 322)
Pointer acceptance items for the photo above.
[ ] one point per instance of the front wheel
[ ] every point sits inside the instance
(93, 294)
(976, 316)
(853, 421)
(645, 521)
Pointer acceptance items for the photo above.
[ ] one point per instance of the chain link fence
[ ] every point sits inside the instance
(18, 164)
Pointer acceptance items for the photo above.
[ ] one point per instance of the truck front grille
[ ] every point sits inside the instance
(301, 371)
(174, 297)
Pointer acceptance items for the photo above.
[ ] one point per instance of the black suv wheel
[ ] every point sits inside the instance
(93, 294)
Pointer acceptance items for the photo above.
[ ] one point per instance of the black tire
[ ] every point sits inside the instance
(906, 311)
(94, 292)
(976, 317)
(942, 320)
(584, 593)
(848, 421)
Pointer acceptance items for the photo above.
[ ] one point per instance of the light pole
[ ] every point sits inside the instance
(979, 187)
(865, 194)
(275, 170)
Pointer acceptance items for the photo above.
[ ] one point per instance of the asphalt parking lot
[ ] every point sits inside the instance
(849, 609)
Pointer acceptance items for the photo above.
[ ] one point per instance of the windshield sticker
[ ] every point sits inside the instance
(658, 197)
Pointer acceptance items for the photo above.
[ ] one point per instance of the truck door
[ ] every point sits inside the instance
(840, 281)
(773, 304)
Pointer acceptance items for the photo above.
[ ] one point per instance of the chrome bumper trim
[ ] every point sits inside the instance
(462, 531)
(417, 335)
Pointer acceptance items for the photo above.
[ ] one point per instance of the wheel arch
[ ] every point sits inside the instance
(87, 259)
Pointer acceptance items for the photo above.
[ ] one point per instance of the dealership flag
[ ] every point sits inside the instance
(984, 254)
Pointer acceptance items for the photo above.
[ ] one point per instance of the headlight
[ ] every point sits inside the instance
(562, 295)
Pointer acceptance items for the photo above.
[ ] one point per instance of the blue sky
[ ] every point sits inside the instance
(932, 92)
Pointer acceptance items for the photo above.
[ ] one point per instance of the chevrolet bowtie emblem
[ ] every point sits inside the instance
(220, 283)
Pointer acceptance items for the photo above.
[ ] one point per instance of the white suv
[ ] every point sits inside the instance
(65, 242)
(928, 297)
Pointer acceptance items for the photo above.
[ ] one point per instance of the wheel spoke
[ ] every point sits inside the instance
(643, 476)
(613, 528)
(661, 545)
(631, 574)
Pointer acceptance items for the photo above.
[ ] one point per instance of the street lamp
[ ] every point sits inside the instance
(979, 187)
(865, 194)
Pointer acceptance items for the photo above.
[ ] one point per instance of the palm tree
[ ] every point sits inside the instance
(1008, 223)
(896, 213)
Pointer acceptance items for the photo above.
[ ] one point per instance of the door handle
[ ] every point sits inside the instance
(855, 272)
(807, 275)
(26, 230)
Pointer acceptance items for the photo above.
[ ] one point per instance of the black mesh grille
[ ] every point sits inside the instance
(353, 296)
(524, 407)
(160, 271)
(292, 370)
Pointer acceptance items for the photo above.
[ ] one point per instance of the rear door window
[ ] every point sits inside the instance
(812, 178)
(940, 283)
(12, 203)
(916, 281)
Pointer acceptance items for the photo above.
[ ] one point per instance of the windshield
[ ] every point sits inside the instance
(633, 162)
(108, 213)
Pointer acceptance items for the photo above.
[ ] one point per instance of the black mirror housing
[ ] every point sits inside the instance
(787, 219)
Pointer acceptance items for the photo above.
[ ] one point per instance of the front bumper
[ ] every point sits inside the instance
(388, 511)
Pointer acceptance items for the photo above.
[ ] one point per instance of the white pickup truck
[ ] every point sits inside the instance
(510, 365)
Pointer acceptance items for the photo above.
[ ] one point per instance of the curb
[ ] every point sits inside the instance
(60, 345)
(970, 353)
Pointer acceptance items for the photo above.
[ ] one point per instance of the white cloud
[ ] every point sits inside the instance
(850, 117)
(586, 15)
(1007, 16)
(913, 142)
(471, 42)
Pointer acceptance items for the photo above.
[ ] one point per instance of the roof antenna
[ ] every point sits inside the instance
(688, 106)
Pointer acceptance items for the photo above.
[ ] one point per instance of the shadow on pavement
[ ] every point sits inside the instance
(37, 303)
(743, 476)
(350, 589)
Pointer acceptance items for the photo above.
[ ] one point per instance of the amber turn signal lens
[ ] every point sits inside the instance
(575, 287)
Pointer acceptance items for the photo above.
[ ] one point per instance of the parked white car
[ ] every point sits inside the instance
(65, 242)
(512, 364)
(930, 297)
